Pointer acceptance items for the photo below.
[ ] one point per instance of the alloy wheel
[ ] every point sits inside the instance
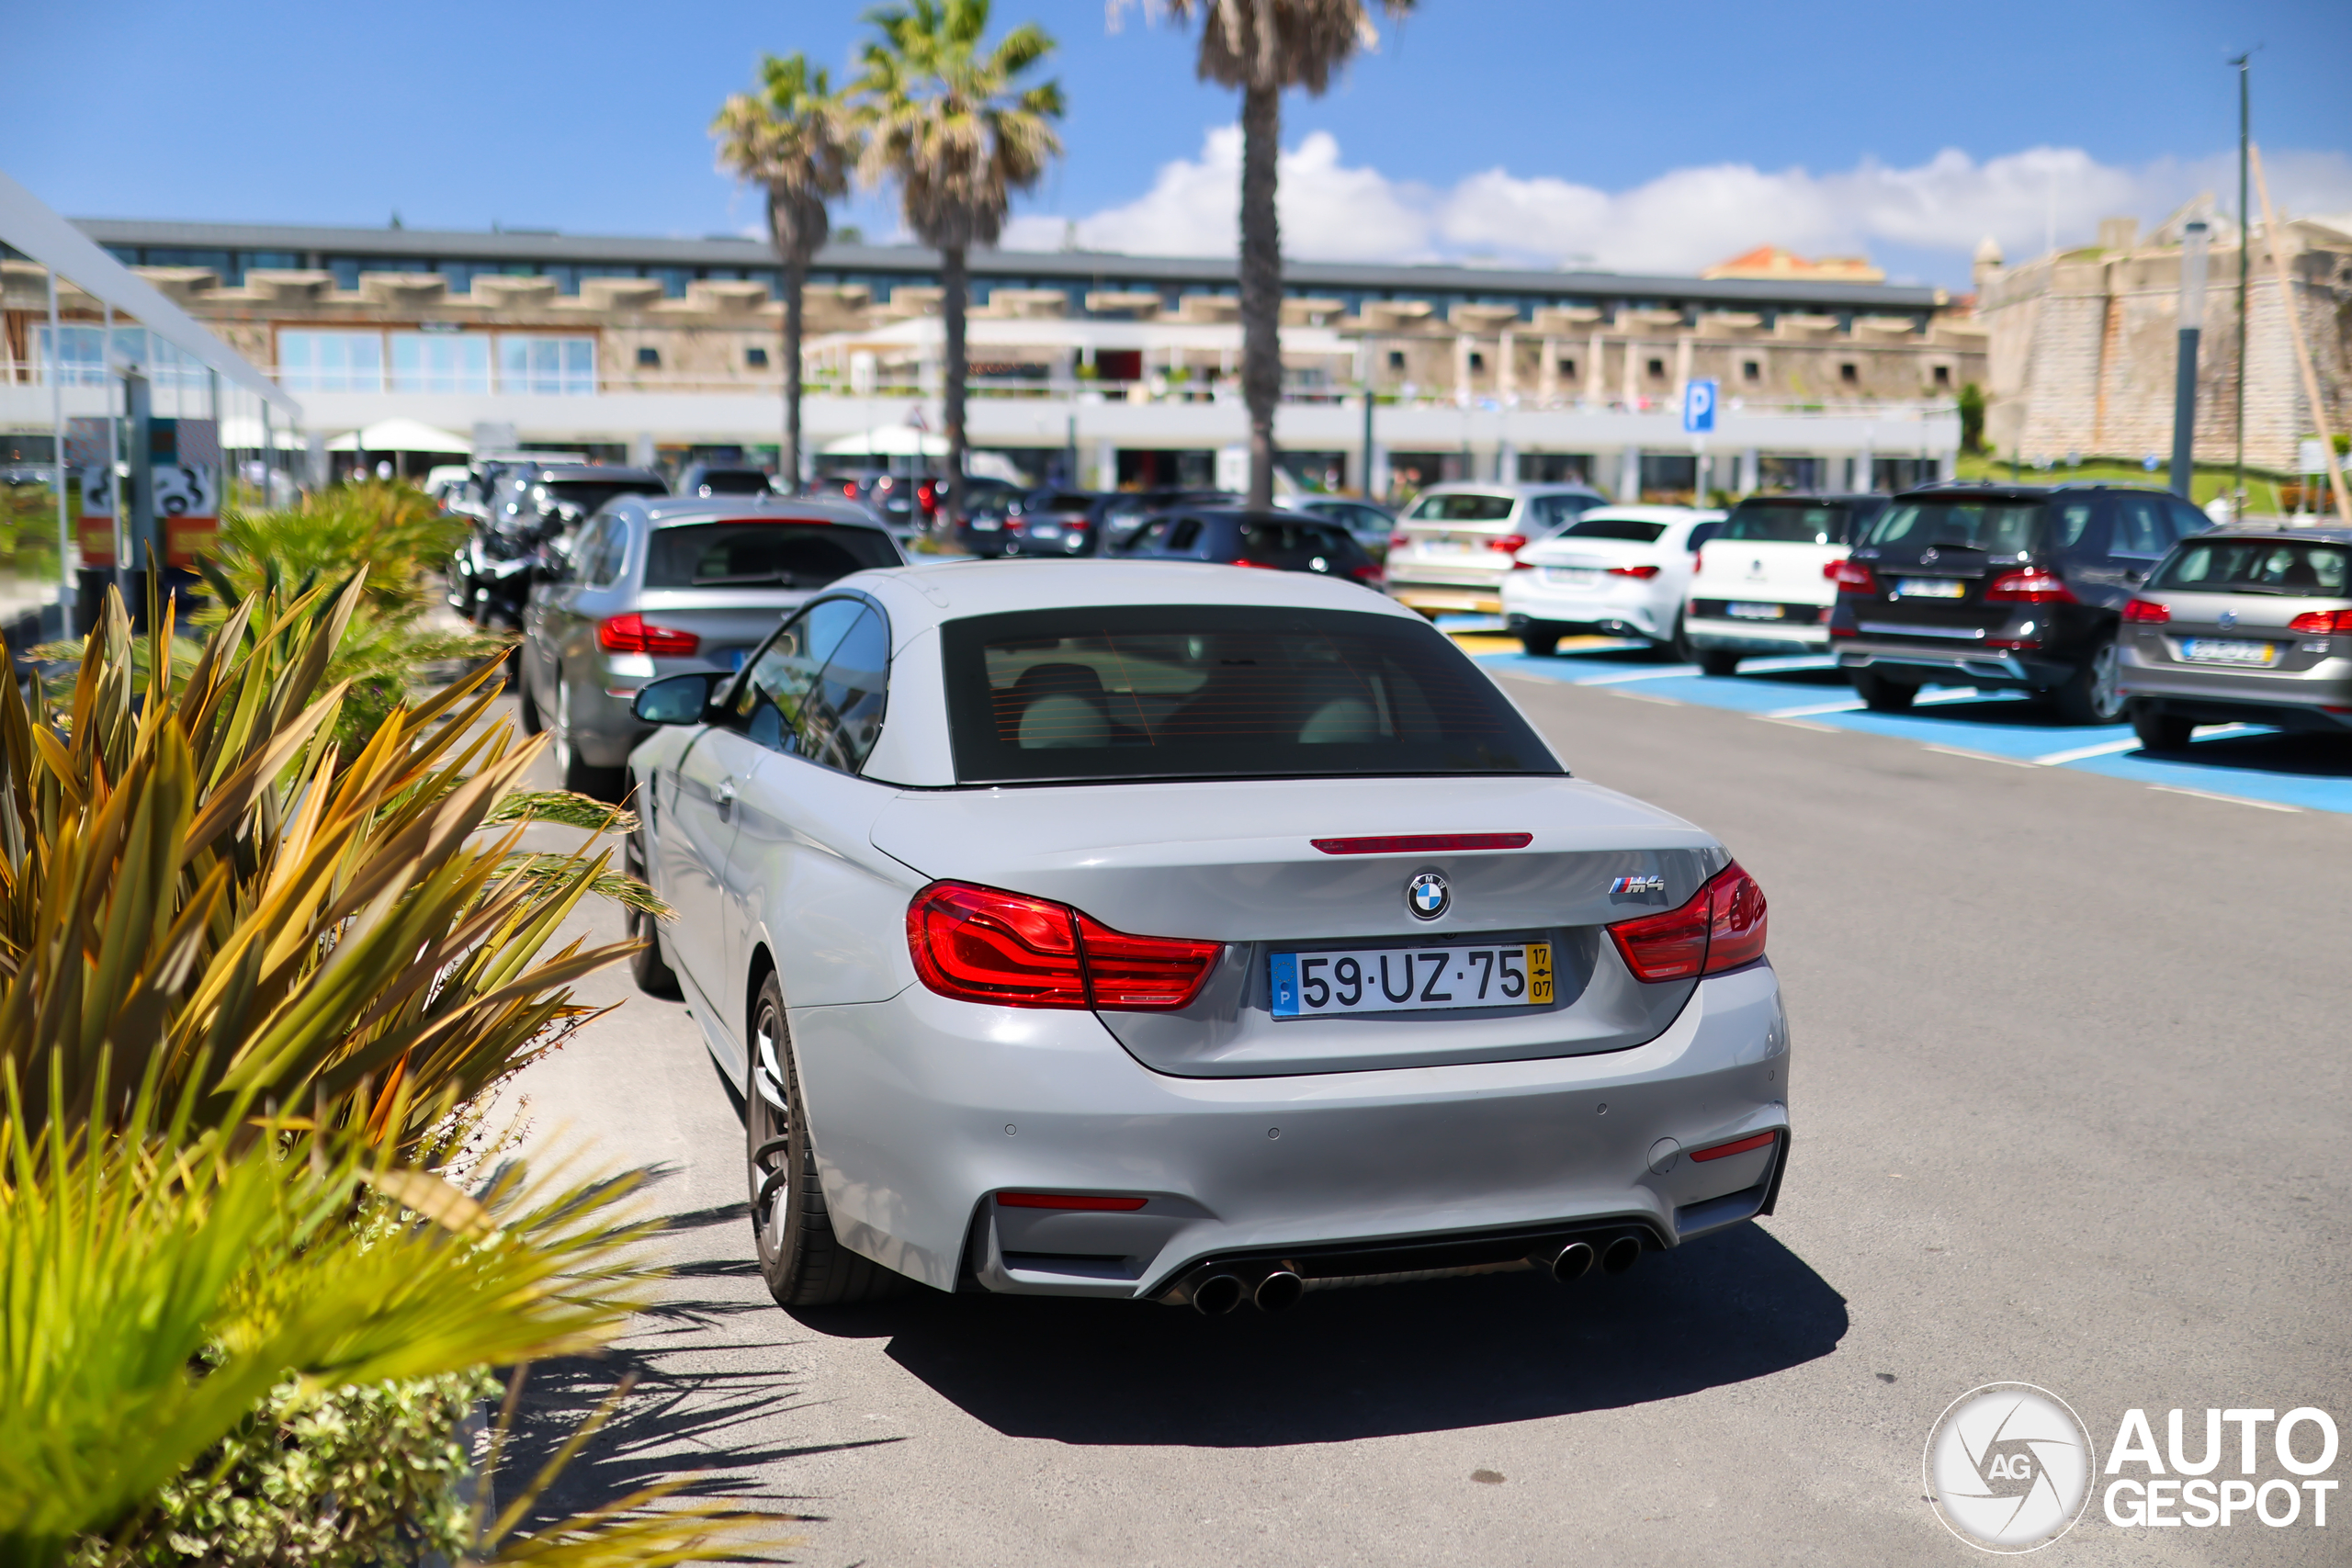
(770, 1120)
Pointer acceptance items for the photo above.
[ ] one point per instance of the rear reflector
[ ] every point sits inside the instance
(1722, 927)
(1069, 1200)
(1724, 1151)
(979, 944)
(1423, 843)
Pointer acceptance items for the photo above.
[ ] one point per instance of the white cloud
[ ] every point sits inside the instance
(1679, 223)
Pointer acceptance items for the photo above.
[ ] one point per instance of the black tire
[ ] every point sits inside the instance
(1714, 661)
(528, 705)
(2160, 731)
(801, 1260)
(2090, 694)
(645, 965)
(1881, 695)
(1539, 645)
(1677, 649)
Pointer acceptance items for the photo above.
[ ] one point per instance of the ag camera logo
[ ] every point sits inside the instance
(2010, 1466)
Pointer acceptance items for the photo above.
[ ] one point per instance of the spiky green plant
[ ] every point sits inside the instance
(193, 872)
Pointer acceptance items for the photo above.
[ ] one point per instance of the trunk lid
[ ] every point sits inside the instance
(731, 623)
(1235, 861)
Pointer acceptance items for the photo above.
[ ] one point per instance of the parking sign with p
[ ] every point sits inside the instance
(1699, 407)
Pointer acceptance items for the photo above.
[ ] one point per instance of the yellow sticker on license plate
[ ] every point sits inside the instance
(1539, 973)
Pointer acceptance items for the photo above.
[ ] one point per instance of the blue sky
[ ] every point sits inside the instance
(1629, 136)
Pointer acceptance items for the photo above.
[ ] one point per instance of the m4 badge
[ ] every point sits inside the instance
(1635, 887)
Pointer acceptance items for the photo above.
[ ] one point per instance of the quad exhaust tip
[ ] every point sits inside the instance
(1621, 1255)
(1280, 1291)
(1572, 1263)
(1216, 1295)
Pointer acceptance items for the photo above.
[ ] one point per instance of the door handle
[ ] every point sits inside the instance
(725, 795)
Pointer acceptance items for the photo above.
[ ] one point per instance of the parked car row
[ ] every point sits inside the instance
(2105, 601)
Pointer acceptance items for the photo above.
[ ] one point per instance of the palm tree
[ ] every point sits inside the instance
(799, 139)
(947, 120)
(1262, 47)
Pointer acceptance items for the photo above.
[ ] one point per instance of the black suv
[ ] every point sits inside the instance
(2001, 585)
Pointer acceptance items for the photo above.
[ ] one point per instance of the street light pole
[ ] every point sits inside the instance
(2245, 250)
(2184, 392)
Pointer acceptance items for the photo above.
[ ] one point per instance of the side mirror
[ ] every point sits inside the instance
(675, 699)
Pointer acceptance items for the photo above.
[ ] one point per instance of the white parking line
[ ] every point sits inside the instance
(1782, 719)
(1646, 697)
(1980, 756)
(2230, 799)
(1849, 706)
(1954, 695)
(1614, 678)
(2104, 749)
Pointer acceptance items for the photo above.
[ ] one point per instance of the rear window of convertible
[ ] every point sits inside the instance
(1175, 691)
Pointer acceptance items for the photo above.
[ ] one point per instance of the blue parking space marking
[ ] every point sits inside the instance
(2311, 772)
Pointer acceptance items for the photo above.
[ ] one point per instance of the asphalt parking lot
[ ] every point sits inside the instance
(2068, 1090)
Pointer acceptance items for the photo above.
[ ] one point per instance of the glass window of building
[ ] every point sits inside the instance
(79, 355)
(440, 362)
(546, 367)
(330, 362)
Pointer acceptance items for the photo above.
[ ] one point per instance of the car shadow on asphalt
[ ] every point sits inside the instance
(2304, 754)
(1432, 1356)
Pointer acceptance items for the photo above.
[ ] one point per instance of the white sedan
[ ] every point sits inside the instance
(1615, 571)
(1189, 934)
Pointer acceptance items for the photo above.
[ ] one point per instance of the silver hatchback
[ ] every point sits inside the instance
(654, 586)
(2242, 628)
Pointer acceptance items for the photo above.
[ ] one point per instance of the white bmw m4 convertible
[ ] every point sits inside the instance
(1189, 934)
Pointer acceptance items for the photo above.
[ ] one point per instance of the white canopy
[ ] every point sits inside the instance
(888, 441)
(400, 435)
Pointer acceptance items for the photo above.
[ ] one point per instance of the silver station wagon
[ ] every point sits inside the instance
(655, 585)
(2242, 628)
(1182, 933)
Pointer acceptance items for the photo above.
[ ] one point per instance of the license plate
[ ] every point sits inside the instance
(2228, 651)
(1572, 576)
(1410, 979)
(1930, 588)
(1739, 612)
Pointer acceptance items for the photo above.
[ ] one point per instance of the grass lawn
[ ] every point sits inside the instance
(2211, 479)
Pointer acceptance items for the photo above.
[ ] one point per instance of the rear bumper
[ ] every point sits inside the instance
(1979, 666)
(2318, 698)
(1435, 596)
(1625, 612)
(1756, 636)
(923, 1108)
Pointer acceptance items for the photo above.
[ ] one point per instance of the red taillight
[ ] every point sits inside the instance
(1721, 928)
(1510, 544)
(1368, 574)
(848, 489)
(1645, 572)
(633, 633)
(2321, 622)
(1517, 565)
(2147, 613)
(1723, 1151)
(2032, 586)
(1263, 565)
(1423, 844)
(1851, 576)
(978, 944)
(1398, 541)
(1073, 1200)
(1837, 630)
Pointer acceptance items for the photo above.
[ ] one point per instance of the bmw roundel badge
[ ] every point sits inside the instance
(1427, 896)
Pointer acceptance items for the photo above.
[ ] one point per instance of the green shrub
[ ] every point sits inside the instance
(338, 1478)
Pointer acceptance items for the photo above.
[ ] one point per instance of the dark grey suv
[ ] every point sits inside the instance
(2018, 586)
